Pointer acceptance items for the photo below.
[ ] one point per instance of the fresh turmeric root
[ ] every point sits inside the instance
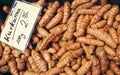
(117, 18)
(111, 14)
(96, 7)
(87, 11)
(90, 41)
(30, 73)
(41, 2)
(4, 60)
(55, 20)
(73, 17)
(76, 3)
(20, 64)
(13, 67)
(33, 65)
(46, 41)
(100, 34)
(68, 35)
(66, 12)
(84, 68)
(42, 31)
(79, 31)
(79, 37)
(49, 14)
(4, 69)
(88, 50)
(99, 24)
(16, 53)
(40, 62)
(114, 67)
(96, 66)
(114, 35)
(48, 59)
(109, 51)
(69, 71)
(59, 29)
(86, 5)
(103, 59)
(72, 46)
(72, 54)
(81, 25)
(110, 72)
(53, 71)
(77, 65)
(100, 13)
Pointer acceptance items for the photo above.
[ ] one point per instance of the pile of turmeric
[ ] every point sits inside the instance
(81, 37)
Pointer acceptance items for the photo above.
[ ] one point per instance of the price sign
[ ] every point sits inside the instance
(20, 24)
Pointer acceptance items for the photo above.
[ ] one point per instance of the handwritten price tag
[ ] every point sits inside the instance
(20, 24)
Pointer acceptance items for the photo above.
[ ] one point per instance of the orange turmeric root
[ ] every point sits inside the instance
(51, 50)
(48, 59)
(114, 35)
(103, 59)
(41, 2)
(13, 67)
(77, 66)
(4, 60)
(72, 46)
(82, 25)
(68, 35)
(46, 41)
(59, 29)
(20, 64)
(114, 67)
(42, 31)
(99, 24)
(96, 70)
(76, 3)
(84, 68)
(49, 14)
(87, 11)
(100, 13)
(88, 50)
(31, 73)
(69, 71)
(71, 54)
(79, 30)
(109, 51)
(96, 7)
(55, 20)
(66, 10)
(33, 65)
(7, 50)
(96, 66)
(90, 41)
(100, 34)
(117, 18)
(111, 14)
(16, 53)
(4, 69)
(56, 46)
(110, 72)
(53, 71)
(86, 5)
(40, 62)
(73, 17)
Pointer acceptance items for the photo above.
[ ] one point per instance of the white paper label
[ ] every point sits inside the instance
(20, 24)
